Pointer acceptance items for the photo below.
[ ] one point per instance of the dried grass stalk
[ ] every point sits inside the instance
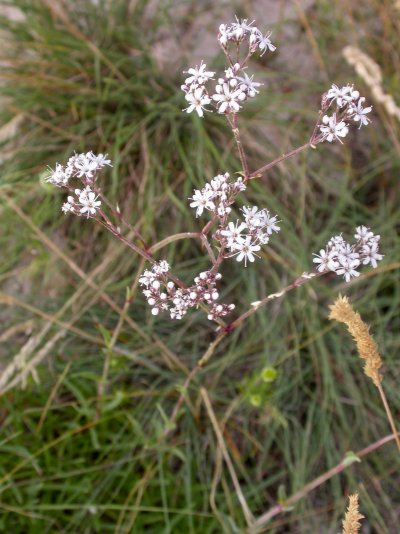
(342, 311)
(371, 73)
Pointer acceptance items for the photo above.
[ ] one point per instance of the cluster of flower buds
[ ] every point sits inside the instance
(243, 31)
(344, 259)
(217, 195)
(244, 239)
(162, 294)
(349, 105)
(236, 86)
(83, 167)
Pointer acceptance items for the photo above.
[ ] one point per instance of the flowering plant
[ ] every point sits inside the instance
(242, 238)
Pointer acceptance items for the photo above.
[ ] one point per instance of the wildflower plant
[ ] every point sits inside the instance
(240, 234)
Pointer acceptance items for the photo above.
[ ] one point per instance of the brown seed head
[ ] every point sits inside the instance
(342, 311)
(351, 522)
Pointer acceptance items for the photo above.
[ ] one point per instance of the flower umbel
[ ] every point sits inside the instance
(344, 259)
(348, 106)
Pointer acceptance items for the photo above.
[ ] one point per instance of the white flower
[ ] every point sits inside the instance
(198, 75)
(88, 201)
(67, 207)
(360, 113)
(231, 72)
(344, 258)
(254, 38)
(197, 100)
(264, 44)
(246, 250)
(263, 239)
(239, 185)
(60, 176)
(85, 166)
(202, 200)
(370, 255)
(348, 268)
(363, 233)
(347, 253)
(147, 278)
(224, 35)
(252, 216)
(100, 160)
(223, 210)
(239, 29)
(161, 267)
(326, 261)
(248, 86)
(342, 95)
(332, 129)
(227, 99)
(233, 233)
(270, 223)
(337, 243)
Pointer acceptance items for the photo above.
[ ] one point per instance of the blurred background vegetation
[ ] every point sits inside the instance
(287, 386)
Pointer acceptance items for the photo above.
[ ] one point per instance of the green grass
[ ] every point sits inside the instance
(67, 466)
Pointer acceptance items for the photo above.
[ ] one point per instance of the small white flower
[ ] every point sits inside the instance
(264, 44)
(202, 200)
(224, 35)
(240, 185)
(199, 75)
(223, 210)
(370, 255)
(252, 216)
(347, 253)
(67, 207)
(326, 261)
(263, 239)
(246, 250)
(100, 160)
(197, 100)
(85, 166)
(360, 113)
(88, 201)
(270, 223)
(233, 233)
(248, 86)
(332, 129)
(147, 278)
(161, 267)
(337, 243)
(348, 269)
(342, 95)
(239, 29)
(363, 233)
(60, 176)
(227, 99)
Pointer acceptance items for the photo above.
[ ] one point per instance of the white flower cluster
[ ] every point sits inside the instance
(244, 239)
(236, 86)
(84, 168)
(195, 90)
(349, 106)
(344, 259)
(86, 203)
(232, 89)
(162, 294)
(240, 31)
(217, 195)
